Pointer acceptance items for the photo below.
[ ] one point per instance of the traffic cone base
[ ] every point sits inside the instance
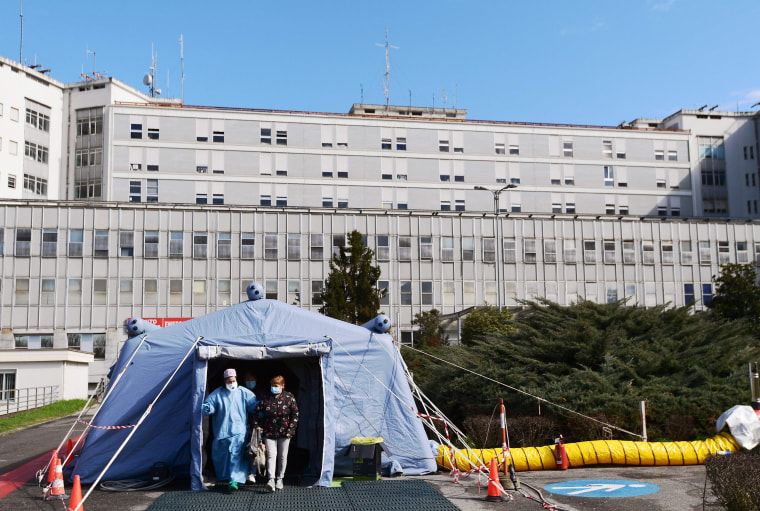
(76, 496)
(57, 491)
(495, 490)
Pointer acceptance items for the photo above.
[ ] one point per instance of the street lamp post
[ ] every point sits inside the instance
(498, 247)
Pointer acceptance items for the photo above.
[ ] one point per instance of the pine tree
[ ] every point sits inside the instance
(737, 294)
(430, 333)
(350, 293)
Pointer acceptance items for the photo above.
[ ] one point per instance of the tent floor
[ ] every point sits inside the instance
(383, 495)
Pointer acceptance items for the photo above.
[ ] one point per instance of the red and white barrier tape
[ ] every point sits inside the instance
(87, 423)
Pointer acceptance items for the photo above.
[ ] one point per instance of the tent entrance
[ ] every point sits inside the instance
(303, 368)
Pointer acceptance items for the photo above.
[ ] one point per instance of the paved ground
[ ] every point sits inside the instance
(681, 488)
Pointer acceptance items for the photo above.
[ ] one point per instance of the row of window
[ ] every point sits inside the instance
(94, 343)
(89, 157)
(554, 251)
(36, 152)
(407, 293)
(38, 120)
(34, 184)
(281, 136)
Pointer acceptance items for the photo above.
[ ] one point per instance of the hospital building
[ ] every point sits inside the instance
(115, 203)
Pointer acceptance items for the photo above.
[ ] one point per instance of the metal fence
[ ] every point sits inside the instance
(19, 400)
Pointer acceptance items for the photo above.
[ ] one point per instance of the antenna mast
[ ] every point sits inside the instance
(95, 61)
(387, 74)
(21, 49)
(182, 63)
(150, 78)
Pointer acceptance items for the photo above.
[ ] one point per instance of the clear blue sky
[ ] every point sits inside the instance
(580, 62)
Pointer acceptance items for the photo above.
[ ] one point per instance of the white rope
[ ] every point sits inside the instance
(540, 399)
(137, 426)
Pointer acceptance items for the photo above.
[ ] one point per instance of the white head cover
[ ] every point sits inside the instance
(229, 372)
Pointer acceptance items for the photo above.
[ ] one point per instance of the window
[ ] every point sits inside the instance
(382, 288)
(406, 292)
(199, 292)
(37, 120)
(153, 133)
(499, 149)
(338, 241)
(247, 242)
(223, 245)
(175, 292)
(609, 176)
(443, 146)
(270, 246)
(426, 292)
(567, 149)
(704, 252)
(265, 200)
(569, 251)
(556, 207)
(327, 202)
(217, 198)
(445, 177)
(445, 205)
(510, 251)
(150, 292)
(224, 292)
(490, 292)
(47, 292)
(660, 183)
(688, 294)
(99, 346)
(2, 240)
(342, 203)
(201, 198)
(468, 292)
(74, 292)
(91, 157)
(383, 248)
(151, 193)
(386, 144)
(659, 154)
(426, 247)
(100, 291)
(400, 143)
(629, 252)
(723, 253)
(316, 244)
(529, 251)
(686, 253)
(607, 148)
(294, 292)
(11, 181)
(270, 289)
(609, 209)
(666, 252)
(100, 244)
(550, 251)
(282, 137)
(404, 249)
(610, 255)
(151, 245)
(136, 131)
(135, 191)
(514, 150)
(707, 294)
(201, 169)
(489, 250)
(742, 255)
(468, 249)
(647, 252)
(447, 249)
(459, 205)
(22, 292)
(200, 245)
(589, 251)
(281, 201)
(343, 175)
(176, 245)
(266, 136)
(620, 155)
(218, 136)
(13, 148)
(294, 247)
(125, 291)
(316, 292)
(449, 293)
(74, 341)
(126, 243)
(672, 155)
(49, 242)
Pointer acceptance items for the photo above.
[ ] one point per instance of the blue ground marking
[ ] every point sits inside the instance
(604, 488)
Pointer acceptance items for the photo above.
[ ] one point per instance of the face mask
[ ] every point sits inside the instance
(276, 390)
(231, 386)
(250, 384)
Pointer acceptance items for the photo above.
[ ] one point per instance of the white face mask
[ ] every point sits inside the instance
(231, 386)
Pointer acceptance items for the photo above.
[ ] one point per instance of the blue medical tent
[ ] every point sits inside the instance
(348, 381)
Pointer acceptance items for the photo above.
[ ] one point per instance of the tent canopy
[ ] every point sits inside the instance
(348, 381)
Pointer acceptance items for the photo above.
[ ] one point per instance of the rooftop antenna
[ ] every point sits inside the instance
(21, 49)
(361, 88)
(456, 94)
(150, 78)
(713, 108)
(444, 97)
(386, 81)
(182, 63)
(95, 60)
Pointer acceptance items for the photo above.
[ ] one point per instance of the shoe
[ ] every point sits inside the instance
(270, 485)
(251, 479)
(233, 486)
(279, 485)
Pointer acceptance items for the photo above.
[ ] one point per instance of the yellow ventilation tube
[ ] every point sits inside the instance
(598, 452)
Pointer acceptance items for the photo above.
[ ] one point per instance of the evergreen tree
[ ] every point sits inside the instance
(484, 322)
(737, 294)
(350, 293)
(430, 331)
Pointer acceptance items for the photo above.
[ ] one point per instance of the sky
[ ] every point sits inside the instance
(596, 62)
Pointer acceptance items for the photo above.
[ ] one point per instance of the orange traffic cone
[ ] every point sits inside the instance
(495, 490)
(57, 491)
(69, 447)
(51, 468)
(75, 504)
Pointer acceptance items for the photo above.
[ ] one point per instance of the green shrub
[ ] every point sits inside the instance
(735, 480)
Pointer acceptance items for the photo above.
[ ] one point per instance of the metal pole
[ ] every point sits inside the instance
(499, 246)
(643, 410)
(503, 420)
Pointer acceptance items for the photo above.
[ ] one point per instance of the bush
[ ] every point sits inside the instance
(735, 480)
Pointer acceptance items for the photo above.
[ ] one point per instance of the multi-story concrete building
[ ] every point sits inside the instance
(138, 206)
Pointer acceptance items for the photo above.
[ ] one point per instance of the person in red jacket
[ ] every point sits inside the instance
(278, 419)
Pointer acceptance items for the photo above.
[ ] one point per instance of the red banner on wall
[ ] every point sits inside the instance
(164, 322)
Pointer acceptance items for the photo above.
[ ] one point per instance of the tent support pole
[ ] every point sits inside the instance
(131, 433)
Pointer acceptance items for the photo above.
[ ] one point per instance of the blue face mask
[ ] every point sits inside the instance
(276, 390)
(250, 384)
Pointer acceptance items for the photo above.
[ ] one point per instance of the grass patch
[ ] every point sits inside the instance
(42, 414)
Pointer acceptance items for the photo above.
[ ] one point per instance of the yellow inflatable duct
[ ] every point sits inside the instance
(598, 452)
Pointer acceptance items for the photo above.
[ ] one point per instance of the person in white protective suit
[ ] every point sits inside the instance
(229, 407)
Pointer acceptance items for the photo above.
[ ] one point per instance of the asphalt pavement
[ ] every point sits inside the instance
(589, 488)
